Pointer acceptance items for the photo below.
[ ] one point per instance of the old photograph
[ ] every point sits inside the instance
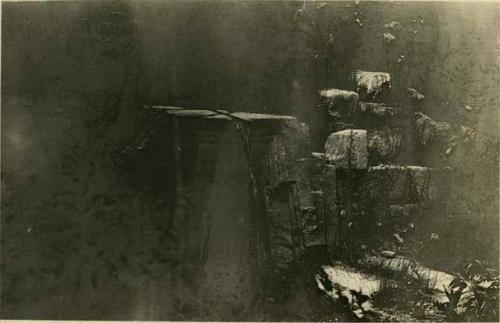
(251, 160)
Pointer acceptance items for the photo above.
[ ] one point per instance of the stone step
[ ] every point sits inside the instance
(383, 200)
(360, 148)
(367, 115)
(389, 204)
(344, 104)
(384, 185)
(378, 115)
(338, 102)
(339, 110)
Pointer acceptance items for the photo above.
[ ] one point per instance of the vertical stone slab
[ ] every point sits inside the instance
(314, 230)
(282, 194)
(313, 216)
(323, 222)
(331, 216)
(279, 154)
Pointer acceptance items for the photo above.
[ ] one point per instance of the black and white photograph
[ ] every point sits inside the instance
(250, 160)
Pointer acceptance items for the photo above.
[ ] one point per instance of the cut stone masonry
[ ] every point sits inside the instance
(371, 148)
(362, 184)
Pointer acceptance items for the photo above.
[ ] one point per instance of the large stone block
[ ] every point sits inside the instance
(387, 183)
(348, 149)
(372, 86)
(429, 184)
(338, 102)
(393, 184)
(284, 177)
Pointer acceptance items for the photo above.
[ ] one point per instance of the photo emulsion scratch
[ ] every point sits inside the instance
(250, 160)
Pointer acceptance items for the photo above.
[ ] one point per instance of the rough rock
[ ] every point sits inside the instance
(439, 283)
(393, 25)
(430, 130)
(354, 289)
(446, 144)
(371, 85)
(415, 95)
(389, 38)
(350, 279)
(348, 149)
(384, 144)
(378, 109)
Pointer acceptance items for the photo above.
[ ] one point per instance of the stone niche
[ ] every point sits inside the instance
(241, 181)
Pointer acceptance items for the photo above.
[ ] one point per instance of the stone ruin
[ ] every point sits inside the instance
(254, 191)
(241, 182)
(380, 181)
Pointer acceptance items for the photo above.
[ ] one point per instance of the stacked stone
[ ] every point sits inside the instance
(369, 146)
